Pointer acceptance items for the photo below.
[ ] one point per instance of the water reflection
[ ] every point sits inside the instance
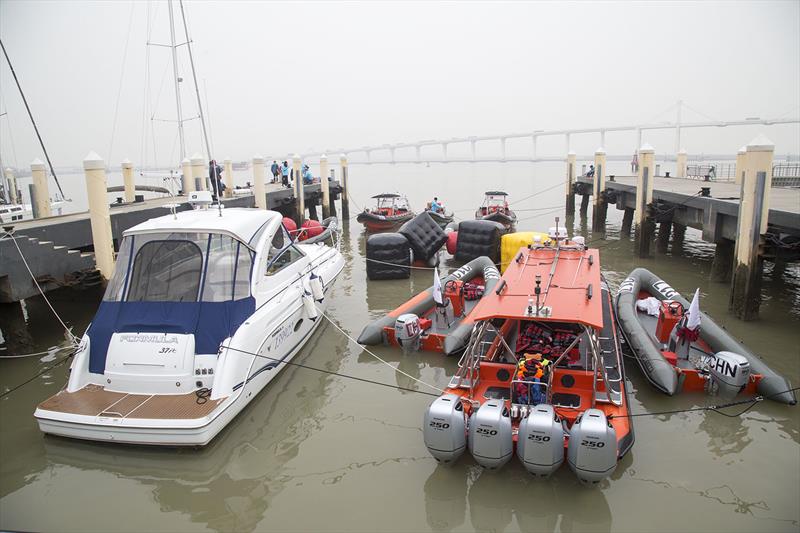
(229, 484)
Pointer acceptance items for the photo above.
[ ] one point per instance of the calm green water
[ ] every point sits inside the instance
(320, 452)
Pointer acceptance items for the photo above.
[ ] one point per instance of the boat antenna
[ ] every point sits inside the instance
(214, 173)
(35, 128)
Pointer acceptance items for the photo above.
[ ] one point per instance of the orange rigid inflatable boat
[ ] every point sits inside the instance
(541, 373)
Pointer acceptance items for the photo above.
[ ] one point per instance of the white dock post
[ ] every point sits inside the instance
(96, 186)
(570, 184)
(228, 171)
(259, 189)
(745, 298)
(127, 179)
(42, 200)
(599, 189)
(187, 182)
(199, 171)
(325, 186)
(680, 163)
(299, 193)
(644, 197)
(12, 186)
(345, 198)
(740, 159)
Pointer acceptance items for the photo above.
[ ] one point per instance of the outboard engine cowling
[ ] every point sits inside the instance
(490, 435)
(407, 331)
(592, 449)
(730, 372)
(540, 443)
(444, 429)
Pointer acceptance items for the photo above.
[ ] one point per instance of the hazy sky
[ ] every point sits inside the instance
(284, 77)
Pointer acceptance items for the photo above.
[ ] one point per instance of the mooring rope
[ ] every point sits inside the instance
(68, 331)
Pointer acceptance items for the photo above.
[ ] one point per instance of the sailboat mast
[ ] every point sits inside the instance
(35, 128)
(175, 76)
(194, 77)
(214, 180)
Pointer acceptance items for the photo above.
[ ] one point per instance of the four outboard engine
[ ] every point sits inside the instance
(540, 443)
(730, 372)
(592, 449)
(490, 435)
(407, 331)
(445, 430)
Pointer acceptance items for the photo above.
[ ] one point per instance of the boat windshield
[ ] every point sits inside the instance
(181, 267)
(393, 202)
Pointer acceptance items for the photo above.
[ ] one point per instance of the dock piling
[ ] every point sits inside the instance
(740, 155)
(299, 194)
(12, 186)
(745, 298)
(127, 179)
(662, 241)
(645, 226)
(34, 204)
(722, 265)
(681, 163)
(345, 197)
(187, 183)
(325, 186)
(598, 192)
(100, 218)
(627, 222)
(42, 200)
(199, 171)
(259, 189)
(570, 184)
(228, 170)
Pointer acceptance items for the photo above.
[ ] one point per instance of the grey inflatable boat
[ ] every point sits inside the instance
(674, 361)
(422, 324)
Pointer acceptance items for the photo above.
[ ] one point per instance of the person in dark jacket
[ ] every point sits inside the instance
(215, 174)
(275, 171)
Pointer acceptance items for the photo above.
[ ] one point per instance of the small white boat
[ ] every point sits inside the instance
(170, 358)
(17, 212)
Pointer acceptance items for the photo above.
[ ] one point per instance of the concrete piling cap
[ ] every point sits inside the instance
(37, 164)
(296, 158)
(600, 151)
(742, 150)
(682, 151)
(571, 153)
(343, 158)
(126, 163)
(227, 160)
(198, 159)
(258, 159)
(761, 144)
(92, 161)
(186, 161)
(9, 170)
(323, 157)
(647, 148)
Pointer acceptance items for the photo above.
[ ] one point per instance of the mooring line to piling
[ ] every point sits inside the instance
(51, 351)
(42, 372)
(354, 341)
(71, 337)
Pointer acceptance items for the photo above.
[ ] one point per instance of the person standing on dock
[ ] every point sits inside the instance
(215, 174)
(275, 171)
(635, 163)
(285, 174)
(308, 177)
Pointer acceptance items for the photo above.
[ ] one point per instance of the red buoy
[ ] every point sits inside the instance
(452, 239)
(290, 226)
(312, 229)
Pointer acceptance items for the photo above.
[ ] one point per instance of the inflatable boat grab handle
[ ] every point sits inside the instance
(500, 287)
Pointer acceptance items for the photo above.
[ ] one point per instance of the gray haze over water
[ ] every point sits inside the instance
(281, 77)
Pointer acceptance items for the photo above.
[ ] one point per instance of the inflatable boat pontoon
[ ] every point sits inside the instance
(674, 359)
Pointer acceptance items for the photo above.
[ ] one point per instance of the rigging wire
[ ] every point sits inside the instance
(35, 127)
(121, 79)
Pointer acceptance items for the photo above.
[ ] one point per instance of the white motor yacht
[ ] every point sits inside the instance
(204, 309)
